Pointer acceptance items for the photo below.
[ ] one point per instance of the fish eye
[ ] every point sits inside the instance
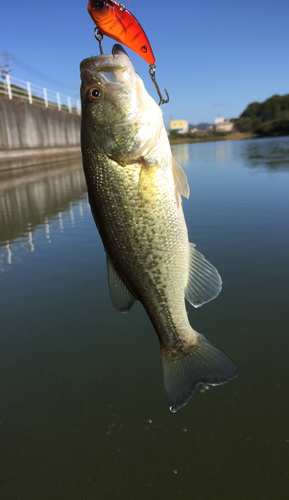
(94, 94)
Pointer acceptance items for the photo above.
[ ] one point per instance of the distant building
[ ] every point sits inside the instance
(222, 125)
(180, 126)
(219, 120)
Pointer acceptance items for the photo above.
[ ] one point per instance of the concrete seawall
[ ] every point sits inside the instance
(29, 130)
(24, 125)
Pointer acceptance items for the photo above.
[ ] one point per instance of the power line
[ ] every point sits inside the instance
(39, 74)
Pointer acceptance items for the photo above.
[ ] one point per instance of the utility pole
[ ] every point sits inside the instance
(5, 63)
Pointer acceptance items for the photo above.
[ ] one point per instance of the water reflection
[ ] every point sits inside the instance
(181, 154)
(224, 152)
(35, 203)
(272, 154)
(268, 154)
(221, 153)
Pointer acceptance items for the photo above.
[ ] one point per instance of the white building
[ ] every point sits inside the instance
(222, 125)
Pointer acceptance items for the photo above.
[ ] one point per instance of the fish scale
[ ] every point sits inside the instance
(121, 206)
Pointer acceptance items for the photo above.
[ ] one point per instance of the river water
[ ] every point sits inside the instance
(82, 405)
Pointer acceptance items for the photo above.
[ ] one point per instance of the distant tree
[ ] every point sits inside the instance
(244, 124)
(251, 111)
(270, 117)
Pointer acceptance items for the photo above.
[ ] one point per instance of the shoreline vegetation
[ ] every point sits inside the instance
(210, 137)
(266, 119)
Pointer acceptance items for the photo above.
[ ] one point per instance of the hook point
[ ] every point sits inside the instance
(152, 71)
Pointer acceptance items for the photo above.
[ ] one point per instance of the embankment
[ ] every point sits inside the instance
(31, 134)
(213, 137)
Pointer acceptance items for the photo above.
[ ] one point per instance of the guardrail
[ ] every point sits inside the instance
(14, 88)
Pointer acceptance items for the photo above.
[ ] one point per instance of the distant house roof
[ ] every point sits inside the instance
(225, 125)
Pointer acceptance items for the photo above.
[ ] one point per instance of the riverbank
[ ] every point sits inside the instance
(207, 137)
(17, 158)
(31, 134)
(30, 126)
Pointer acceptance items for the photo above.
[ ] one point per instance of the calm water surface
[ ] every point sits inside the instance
(82, 406)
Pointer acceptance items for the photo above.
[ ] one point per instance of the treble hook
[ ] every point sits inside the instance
(152, 72)
(98, 37)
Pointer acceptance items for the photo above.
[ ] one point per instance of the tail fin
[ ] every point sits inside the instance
(202, 363)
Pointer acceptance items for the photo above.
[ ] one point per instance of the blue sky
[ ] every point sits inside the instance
(213, 56)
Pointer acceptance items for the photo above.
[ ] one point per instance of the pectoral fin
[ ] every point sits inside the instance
(204, 281)
(121, 297)
(180, 179)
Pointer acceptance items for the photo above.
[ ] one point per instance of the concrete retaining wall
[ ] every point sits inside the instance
(24, 125)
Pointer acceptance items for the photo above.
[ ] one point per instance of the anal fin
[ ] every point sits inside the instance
(204, 281)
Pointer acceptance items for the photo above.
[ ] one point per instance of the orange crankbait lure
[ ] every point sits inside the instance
(113, 20)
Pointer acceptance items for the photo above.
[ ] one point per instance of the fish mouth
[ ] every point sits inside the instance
(114, 74)
(108, 63)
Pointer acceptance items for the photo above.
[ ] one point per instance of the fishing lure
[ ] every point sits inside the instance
(115, 21)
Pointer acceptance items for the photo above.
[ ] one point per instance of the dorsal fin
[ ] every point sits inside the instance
(180, 179)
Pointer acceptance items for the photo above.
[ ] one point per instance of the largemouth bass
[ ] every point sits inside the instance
(135, 187)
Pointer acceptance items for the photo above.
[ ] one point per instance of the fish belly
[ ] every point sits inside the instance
(141, 222)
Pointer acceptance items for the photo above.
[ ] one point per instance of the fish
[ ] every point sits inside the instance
(135, 188)
(115, 21)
